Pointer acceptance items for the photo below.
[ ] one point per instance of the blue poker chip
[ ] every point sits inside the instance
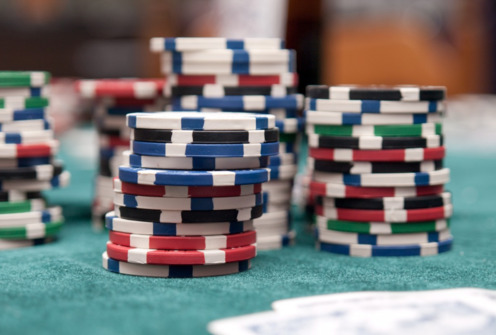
(10, 115)
(161, 44)
(283, 159)
(193, 178)
(247, 102)
(291, 125)
(204, 150)
(25, 125)
(375, 106)
(283, 172)
(340, 118)
(362, 250)
(279, 113)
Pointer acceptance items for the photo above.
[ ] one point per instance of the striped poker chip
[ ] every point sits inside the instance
(194, 163)
(436, 177)
(394, 93)
(152, 215)
(24, 78)
(389, 215)
(9, 163)
(273, 242)
(344, 191)
(12, 115)
(6, 244)
(48, 148)
(31, 231)
(37, 172)
(26, 125)
(338, 237)
(200, 121)
(193, 178)
(337, 118)
(161, 44)
(216, 91)
(374, 142)
(285, 186)
(283, 172)
(204, 150)
(375, 106)
(173, 271)
(127, 88)
(188, 204)
(183, 242)
(33, 185)
(276, 197)
(205, 136)
(279, 113)
(291, 125)
(402, 130)
(26, 137)
(21, 219)
(17, 196)
(229, 57)
(381, 228)
(23, 103)
(281, 218)
(288, 158)
(25, 92)
(285, 79)
(373, 167)
(180, 257)
(171, 229)
(394, 155)
(426, 201)
(235, 103)
(22, 206)
(361, 250)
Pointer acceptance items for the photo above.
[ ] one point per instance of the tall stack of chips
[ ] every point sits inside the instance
(254, 75)
(378, 177)
(27, 165)
(188, 192)
(115, 99)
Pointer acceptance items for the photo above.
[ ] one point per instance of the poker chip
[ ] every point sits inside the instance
(200, 121)
(24, 92)
(6, 163)
(185, 191)
(49, 148)
(17, 196)
(361, 250)
(178, 216)
(276, 241)
(193, 178)
(336, 118)
(399, 93)
(204, 150)
(217, 91)
(33, 185)
(7, 244)
(7, 207)
(279, 113)
(436, 177)
(37, 216)
(377, 172)
(38, 172)
(173, 271)
(24, 79)
(13, 102)
(345, 191)
(283, 172)
(401, 130)
(135, 88)
(393, 155)
(26, 137)
(205, 136)
(288, 158)
(183, 242)
(194, 163)
(189, 204)
(374, 142)
(236, 103)
(379, 228)
(161, 44)
(31, 231)
(11, 115)
(115, 223)
(291, 125)
(285, 79)
(373, 167)
(375, 106)
(26, 125)
(229, 56)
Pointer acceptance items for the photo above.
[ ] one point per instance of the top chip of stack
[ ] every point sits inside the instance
(27, 165)
(376, 156)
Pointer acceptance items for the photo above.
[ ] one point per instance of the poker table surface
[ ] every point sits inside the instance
(61, 288)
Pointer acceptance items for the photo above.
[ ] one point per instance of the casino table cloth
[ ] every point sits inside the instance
(62, 287)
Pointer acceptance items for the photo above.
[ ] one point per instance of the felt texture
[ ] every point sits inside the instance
(61, 288)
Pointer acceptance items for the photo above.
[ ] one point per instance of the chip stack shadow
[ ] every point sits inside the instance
(377, 174)
(114, 99)
(188, 192)
(27, 164)
(256, 75)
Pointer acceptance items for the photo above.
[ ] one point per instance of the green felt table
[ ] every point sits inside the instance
(62, 288)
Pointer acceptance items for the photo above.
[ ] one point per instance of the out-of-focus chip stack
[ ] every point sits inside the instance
(256, 75)
(114, 99)
(188, 192)
(27, 164)
(376, 156)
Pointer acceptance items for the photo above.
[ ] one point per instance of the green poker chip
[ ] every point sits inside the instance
(24, 78)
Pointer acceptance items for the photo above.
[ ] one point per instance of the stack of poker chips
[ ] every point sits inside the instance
(188, 193)
(376, 156)
(114, 99)
(27, 165)
(254, 75)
